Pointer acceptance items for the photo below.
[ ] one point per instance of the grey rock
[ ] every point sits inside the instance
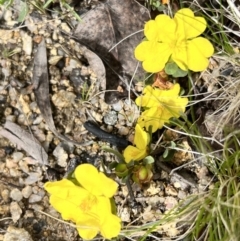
(17, 156)
(34, 198)
(16, 195)
(27, 191)
(110, 118)
(15, 211)
(32, 178)
(16, 234)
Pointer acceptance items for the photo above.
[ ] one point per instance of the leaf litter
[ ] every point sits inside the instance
(121, 30)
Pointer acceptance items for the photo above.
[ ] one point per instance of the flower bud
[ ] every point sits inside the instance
(142, 174)
(121, 170)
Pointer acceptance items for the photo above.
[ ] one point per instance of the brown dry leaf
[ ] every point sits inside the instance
(41, 91)
(97, 66)
(161, 81)
(24, 140)
(106, 26)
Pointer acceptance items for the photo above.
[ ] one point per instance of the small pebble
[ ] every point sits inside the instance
(110, 118)
(27, 42)
(32, 178)
(37, 120)
(4, 210)
(16, 234)
(24, 166)
(17, 156)
(37, 207)
(16, 195)
(125, 215)
(123, 131)
(5, 195)
(177, 184)
(10, 163)
(7, 15)
(8, 111)
(170, 202)
(118, 106)
(14, 172)
(171, 191)
(181, 194)
(15, 211)
(61, 156)
(34, 198)
(27, 191)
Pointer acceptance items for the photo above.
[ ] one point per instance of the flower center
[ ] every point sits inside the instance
(88, 202)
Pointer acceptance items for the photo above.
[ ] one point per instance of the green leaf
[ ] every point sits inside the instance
(171, 68)
(148, 160)
(23, 12)
(7, 3)
(169, 155)
(173, 144)
(165, 153)
(180, 73)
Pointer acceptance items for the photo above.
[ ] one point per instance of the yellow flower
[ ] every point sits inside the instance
(161, 105)
(175, 39)
(138, 152)
(87, 205)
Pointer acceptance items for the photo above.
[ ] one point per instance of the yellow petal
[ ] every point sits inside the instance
(68, 210)
(88, 227)
(60, 188)
(87, 176)
(111, 227)
(153, 97)
(153, 54)
(151, 117)
(141, 138)
(166, 28)
(132, 153)
(188, 25)
(90, 179)
(89, 223)
(199, 49)
(180, 56)
(149, 97)
(69, 206)
(151, 30)
(157, 57)
(109, 183)
(194, 56)
(144, 49)
(174, 108)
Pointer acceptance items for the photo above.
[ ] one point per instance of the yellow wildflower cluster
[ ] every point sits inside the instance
(87, 203)
(86, 200)
(167, 40)
(175, 40)
(161, 105)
